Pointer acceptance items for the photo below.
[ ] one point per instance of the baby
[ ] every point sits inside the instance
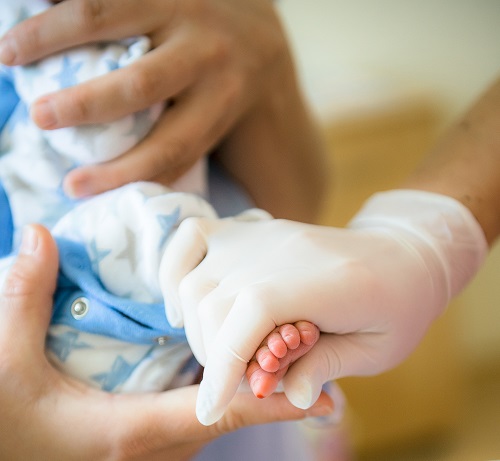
(108, 327)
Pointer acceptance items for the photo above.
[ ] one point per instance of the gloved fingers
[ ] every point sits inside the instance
(187, 248)
(230, 352)
(331, 358)
(204, 313)
(213, 399)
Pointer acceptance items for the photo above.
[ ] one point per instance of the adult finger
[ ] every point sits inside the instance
(247, 410)
(74, 22)
(26, 297)
(185, 132)
(149, 426)
(257, 309)
(157, 76)
(230, 352)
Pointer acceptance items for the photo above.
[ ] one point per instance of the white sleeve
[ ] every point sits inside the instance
(125, 232)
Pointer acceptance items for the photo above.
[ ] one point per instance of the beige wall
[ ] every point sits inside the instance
(448, 48)
(362, 55)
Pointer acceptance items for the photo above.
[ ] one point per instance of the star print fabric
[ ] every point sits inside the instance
(123, 234)
(123, 342)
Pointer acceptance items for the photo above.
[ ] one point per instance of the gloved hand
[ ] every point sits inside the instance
(373, 289)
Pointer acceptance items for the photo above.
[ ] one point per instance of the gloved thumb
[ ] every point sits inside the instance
(332, 357)
(184, 252)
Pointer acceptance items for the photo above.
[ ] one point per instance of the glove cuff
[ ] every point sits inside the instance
(445, 225)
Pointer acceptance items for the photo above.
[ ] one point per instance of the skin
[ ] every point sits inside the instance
(226, 68)
(50, 416)
(229, 89)
(283, 346)
(369, 323)
(465, 164)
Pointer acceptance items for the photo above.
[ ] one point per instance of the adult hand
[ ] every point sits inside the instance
(373, 289)
(50, 416)
(211, 59)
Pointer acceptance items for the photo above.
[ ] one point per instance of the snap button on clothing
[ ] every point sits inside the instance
(80, 308)
(161, 340)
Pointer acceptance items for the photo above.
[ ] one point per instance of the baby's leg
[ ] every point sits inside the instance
(283, 346)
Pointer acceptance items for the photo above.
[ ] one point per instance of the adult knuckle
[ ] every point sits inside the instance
(178, 150)
(332, 362)
(232, 421)
(258, 296)
(91, 14)
(26, 36)
(135, 447)
(191, 226)
(234, 87)
(16, 284)
(142, 85)
(159, 161)
(220, 50)
(77, 105)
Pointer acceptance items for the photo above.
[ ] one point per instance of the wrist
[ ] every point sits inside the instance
(446, 230)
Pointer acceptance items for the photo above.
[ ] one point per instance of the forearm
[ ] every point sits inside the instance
(277, 153)
(465, 165)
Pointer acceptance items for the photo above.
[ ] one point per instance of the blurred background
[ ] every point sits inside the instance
(385, 78)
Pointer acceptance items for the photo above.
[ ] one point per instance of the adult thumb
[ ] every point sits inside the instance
(26, 296)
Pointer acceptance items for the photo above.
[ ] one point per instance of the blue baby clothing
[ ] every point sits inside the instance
(108, 327)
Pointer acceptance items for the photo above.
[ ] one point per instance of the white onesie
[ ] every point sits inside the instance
(109, 328)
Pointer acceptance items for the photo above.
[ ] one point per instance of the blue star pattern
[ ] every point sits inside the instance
(11, 18)
(129, 250)
(118, 374)
(22, 15)
(64, 344)
(28, 75)
(96, 255)
(68, 75)
(34, 179)
(167, 223)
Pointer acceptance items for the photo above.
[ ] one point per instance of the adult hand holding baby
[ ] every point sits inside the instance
(211, 59)
(372, 289)
(52, 416)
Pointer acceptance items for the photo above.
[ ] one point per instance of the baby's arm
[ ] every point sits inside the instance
(283, 346)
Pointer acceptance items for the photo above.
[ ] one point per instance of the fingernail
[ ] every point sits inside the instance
(7, 53)
(77, 188)
(29, 241)
(43, 114)
(82, 182)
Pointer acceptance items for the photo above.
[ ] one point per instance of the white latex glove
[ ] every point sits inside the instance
(373, 289)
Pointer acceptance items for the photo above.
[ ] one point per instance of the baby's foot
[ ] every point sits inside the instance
(283, 346)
